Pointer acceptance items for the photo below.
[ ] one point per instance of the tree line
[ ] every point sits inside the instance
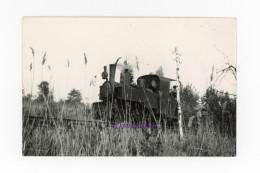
(74, 96)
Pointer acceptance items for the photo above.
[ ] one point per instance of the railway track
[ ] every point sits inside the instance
(68, 122)
(65, 122)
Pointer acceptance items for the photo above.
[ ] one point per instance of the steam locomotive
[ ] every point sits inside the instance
(150, 99)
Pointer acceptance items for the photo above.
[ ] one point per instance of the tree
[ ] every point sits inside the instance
(189, 100)
(222, 72)
(43, 91)
(177, 56)
(74, 96)
(159, 71)
(222, 109)
(27, 97)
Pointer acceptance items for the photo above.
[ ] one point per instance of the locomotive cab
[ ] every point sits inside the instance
(151, 82)
(160, 86)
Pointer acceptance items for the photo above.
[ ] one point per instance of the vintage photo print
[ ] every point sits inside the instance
(122, 86)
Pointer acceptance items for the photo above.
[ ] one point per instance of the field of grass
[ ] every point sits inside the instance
(96, 140)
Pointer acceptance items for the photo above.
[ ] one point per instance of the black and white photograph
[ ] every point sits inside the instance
(129, 86)
(126, 86)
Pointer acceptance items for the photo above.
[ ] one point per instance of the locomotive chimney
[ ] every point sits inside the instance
(112, 73)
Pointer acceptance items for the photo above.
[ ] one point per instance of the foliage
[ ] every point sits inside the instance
(222, 109)
(27, 97)
(188, 101)
(44, 88)
(43, 91)
(74, 96)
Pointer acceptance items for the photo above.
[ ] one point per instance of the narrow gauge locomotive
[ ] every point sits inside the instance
(148, 101)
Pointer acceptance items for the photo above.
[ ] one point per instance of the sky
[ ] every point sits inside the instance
(201, 42)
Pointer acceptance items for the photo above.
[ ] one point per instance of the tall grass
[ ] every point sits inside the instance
(92, 139)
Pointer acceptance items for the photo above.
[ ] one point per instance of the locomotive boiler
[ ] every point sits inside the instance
(149, 99)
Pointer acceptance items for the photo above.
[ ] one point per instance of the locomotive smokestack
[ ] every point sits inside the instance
(112, 73)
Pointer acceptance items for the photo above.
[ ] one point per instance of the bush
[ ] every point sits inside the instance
(188, 102)
(223, 110)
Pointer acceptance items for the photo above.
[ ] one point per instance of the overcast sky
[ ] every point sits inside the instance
(103, 40)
